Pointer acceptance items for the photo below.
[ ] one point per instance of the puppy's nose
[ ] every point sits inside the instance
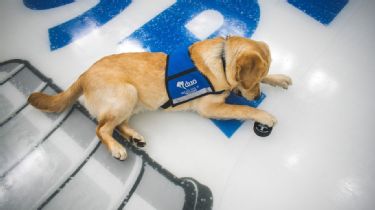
(239, 93)
(257, 96)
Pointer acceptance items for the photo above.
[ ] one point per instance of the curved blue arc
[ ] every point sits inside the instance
(42, 5)
(167, 30)
(321, 10)
(103, 12)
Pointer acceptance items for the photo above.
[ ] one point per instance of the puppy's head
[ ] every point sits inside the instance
(250, 62)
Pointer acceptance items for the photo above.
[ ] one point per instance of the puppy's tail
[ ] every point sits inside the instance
(56, 103)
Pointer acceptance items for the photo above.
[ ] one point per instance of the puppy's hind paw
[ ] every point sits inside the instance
(137, 139)
(140, 142)
(118, 151)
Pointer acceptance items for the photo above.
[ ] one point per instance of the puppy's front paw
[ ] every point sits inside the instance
(265, 118)
(284, 81)
(118, 151)
(280, 80)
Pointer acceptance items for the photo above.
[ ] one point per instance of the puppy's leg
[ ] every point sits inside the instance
(112, 105)
(131, 134)
(239, 112)
(104, 131)
(279, 80)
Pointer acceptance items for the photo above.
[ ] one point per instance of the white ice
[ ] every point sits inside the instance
(319, 156)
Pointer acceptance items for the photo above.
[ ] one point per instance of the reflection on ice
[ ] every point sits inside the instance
(349, 188)
(321, 83)
(292, 160)
(205, 23)
(283, 62)
(130, 46)
(82, 39)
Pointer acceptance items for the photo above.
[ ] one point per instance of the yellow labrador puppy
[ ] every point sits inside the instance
(118, 86)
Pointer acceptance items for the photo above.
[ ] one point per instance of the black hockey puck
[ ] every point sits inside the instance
(262, 130)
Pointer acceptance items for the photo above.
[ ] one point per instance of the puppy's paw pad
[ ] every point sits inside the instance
(140, 143)
(138, 140)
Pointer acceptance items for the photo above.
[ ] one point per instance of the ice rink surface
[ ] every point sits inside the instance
(320, 155)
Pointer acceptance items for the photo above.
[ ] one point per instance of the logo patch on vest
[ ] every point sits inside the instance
(187, 87)
(186, 84)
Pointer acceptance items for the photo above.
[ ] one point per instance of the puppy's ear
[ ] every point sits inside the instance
(250, 69)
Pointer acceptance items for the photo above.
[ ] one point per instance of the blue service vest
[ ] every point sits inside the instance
(184, 82)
